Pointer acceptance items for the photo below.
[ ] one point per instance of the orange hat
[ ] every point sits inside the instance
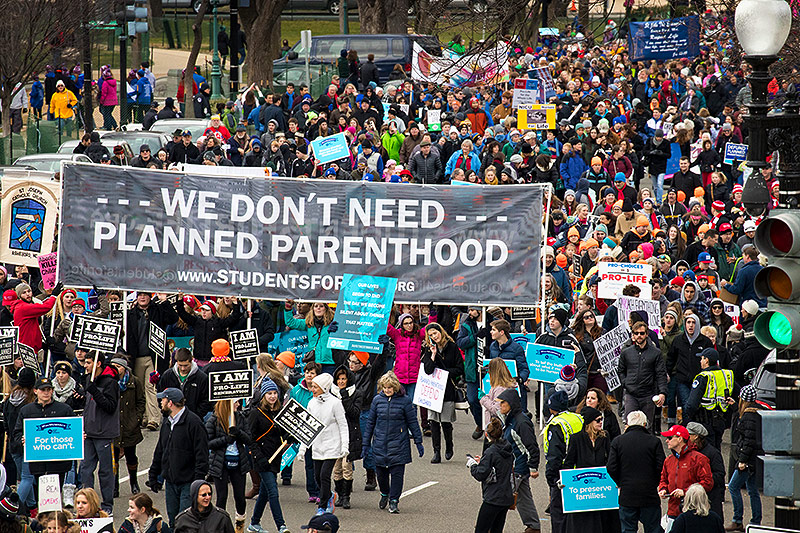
(699, 192)
(590, 242)
(362, 356)
(597, 161)
(561, 260)
(220, 348)
(703, 228)
(641, 220)
(573, 232)
(618, 203)
(287, 358)
(642, 262)
(633, 256)
(681, 196)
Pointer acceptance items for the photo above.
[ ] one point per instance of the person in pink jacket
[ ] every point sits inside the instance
(108, 99)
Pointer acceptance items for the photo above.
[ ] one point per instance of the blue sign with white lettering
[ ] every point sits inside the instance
(53, 439)
(664, 39)
(289, 455)
(588, 489)
(735, 152)
(332, 148)
(362, 312)
(545, 362)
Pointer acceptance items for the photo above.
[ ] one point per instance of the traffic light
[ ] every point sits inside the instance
(778, 237)
(131, 11)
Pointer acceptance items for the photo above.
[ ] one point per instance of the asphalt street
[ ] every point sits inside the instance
(442, 497)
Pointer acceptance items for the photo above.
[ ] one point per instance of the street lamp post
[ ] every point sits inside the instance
(762, 27)
(216, 71)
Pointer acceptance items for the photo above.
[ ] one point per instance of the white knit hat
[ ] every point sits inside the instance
(324, 382)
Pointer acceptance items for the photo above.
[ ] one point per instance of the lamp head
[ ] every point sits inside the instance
(755, 195)
(762, 26)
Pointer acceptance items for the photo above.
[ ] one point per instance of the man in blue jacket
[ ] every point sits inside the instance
(572, 167)
(743, 285)
(504, 346)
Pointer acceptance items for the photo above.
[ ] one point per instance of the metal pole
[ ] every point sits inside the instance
(234, 51)
(123, 77)
(125, 321)
(216, 71)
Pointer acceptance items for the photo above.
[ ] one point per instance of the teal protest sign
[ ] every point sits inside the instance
(362, 312)
(545, 362)
(486, 384)
(53, 439)
(331, 148)
(289, 455)
(588, 489)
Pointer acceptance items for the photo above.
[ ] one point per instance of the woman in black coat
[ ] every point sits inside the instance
(493, 470)
(746, 435)
(598, 400)
(229, 456)
(208, 327)
(697, 516)
(202, 516)
(440, 351)
(590, 448)
(343, 468)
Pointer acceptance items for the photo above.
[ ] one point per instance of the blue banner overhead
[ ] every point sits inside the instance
(664, 39)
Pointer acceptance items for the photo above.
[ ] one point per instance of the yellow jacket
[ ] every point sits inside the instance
(59, 103)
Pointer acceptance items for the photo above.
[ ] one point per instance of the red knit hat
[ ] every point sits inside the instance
(9, 296)
(719, 205)
(210, 305)
(677, 280)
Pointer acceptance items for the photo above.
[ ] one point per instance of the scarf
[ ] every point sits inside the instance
(123, 382)
(62, 394)
(143, 528)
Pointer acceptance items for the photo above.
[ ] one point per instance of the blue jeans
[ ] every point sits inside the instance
(739, 480)
(659, 188)
(178, 497)
(98, 451)
(25, 488)
(268, 491)
(682, 392)
(650, 517)
(672, 406)
(369, 460)
(410, 390)
(474, 404)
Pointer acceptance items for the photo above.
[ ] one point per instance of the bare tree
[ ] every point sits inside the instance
(262, 24)
(29, 30)
(188, 76)
(383, 16)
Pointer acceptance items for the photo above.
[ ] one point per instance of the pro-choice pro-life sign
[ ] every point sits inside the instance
(53, 439)
(615, 276)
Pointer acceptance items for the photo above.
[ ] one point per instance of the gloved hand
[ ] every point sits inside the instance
(384, 339)
(471, 462)
(421, 449)
(154, 377)
(235, 431)
(333, 327)
(57, 289)
(153, 485)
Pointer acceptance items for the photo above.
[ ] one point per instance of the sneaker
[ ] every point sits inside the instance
(283, 529)
(313, 499)
(384, 501)
(69, 495)
(393, 507)
(320, 510)
(331, 506)
(256, 528)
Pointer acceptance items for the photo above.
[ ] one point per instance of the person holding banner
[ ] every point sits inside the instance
(208, 327)
(642, 374)
(505, 347)
(557, 434)
(439, 351)
(269, 440)
(27, 313)
(391, 419)
(318, 324)
(131, 413)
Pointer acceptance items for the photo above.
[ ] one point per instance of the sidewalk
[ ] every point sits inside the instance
(165, 59)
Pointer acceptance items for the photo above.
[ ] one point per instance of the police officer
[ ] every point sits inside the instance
(712, 394)
(557, 433)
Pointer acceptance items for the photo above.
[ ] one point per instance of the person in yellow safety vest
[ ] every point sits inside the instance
(713, 392)
(556, 435)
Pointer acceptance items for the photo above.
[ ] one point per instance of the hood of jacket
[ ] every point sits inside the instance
(696, 291)
(696, 334)
(503, 448)
(512, 397)
(194, 369)
(194, 490)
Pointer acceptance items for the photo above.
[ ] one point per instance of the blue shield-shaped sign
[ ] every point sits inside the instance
(27, 223)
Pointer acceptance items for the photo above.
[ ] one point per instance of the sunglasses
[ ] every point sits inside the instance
(638, 333)
(716, 307)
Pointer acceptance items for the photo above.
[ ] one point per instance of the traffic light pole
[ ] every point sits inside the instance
(234, 51)
(123, 76)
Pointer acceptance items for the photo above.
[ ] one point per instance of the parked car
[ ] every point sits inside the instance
(49, 162)
(196, 125)
(154, 139)
(389, 50)
(764, 380)
(331, 6)
(194, 4)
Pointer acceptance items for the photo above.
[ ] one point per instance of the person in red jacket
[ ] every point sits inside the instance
(478, 117)
(683, 467)
(27, 313)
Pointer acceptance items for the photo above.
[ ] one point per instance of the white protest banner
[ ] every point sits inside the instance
(244, 344)
(157, 340)
(49, 493)
(230, 385)
(429, 392)
(626, 304)
(96, 525)
(608, 346)
(94, 333)
(615, 276)
(526, 92)
(523, 312)
(732, 311)
(435, 120)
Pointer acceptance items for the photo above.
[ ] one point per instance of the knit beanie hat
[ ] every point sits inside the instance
(268, 385)
(220, 348)
(567, 373)
(22, 287)
(590, 414)
(324, 382)
(26, 378)
(748, 393)
(561, 315)
(558, 401)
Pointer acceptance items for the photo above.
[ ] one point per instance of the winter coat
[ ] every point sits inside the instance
(519, 431)
(743, 285)
(207, 331)
(496, 463)
(37, 410)
(457, 160)
(572, 168)
(11, 408)
(392, 143)
(447, 358)
(181, 454)
(581, 453)
(657, 156)
(26, 317)
(194, 387)
(101, 415)
(334, 440)
(62, 104)
(467, 341)
(683, 360)
(219, 440)
(635, 461)
(391, 418)
(426, 169)
(158, 525)
(351, 403)
(408, 352)
(623, 164)
(642, 372)
(213, 520)
(160, 313)
(691, 522)
(131, 412)
(682, 470)
(108, 92)
(687, 182)
(266, 437)
(511, 351)
(317, 338)
(717, 465)
(747, 437)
